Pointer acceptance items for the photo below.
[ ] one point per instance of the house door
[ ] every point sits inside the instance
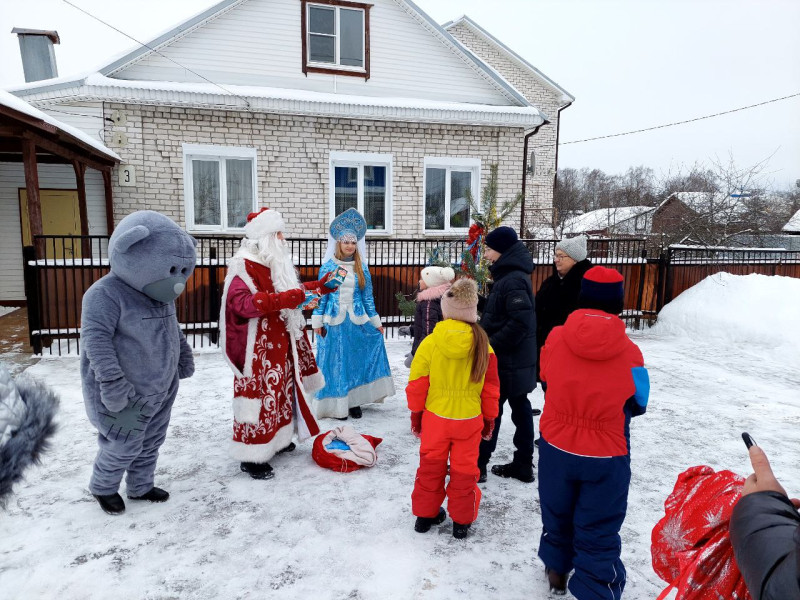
(61, 215)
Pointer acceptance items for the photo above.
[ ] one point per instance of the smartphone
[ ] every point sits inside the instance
(748, 440)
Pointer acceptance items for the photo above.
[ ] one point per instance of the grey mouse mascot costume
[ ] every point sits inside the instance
(133, 353)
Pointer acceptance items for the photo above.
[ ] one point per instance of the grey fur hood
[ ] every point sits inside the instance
(27, 409)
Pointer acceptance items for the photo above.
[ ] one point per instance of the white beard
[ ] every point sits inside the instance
(274, 254)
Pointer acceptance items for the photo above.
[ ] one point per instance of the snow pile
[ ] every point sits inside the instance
(751, 310)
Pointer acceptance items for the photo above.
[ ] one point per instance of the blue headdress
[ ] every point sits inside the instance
(348, 226)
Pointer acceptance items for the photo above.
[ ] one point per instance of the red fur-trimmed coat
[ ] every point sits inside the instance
(271, 369)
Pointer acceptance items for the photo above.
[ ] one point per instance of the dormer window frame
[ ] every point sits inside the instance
(334, 68)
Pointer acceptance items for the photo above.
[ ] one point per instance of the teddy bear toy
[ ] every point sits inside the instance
(133, 353)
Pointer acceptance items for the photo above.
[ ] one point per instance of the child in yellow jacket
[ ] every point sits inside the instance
(452, 392)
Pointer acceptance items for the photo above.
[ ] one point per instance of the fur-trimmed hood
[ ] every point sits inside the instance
(433, 293)
(27, 409)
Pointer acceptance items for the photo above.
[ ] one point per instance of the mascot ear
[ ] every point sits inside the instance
(132, 236)
(194, 241)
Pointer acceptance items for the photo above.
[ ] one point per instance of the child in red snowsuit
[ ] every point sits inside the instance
(452, 392)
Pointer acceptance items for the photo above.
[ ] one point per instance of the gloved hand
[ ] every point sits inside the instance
(409, 358)
(321, 288)
(128, 422)
(268, 303)
(416, 423)
(488, 429)
(115, 394)
(404, 331)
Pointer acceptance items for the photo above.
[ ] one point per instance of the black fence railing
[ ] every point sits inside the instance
(59, 269)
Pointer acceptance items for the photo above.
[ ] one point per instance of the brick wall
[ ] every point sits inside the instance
(539, 202)
(293, 157)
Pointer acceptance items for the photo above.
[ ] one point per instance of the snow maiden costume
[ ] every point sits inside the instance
(133, 353)
(264, 344)
(351, 353)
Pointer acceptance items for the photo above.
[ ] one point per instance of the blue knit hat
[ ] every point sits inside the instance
(603, 289)
(501, 239)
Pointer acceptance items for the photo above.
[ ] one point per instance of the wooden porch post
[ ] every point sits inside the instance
(109, 201)
(32, 188)
(80, 181)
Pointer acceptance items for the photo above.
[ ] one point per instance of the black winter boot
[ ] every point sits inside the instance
(289, 448)
(355, 412)
(515, 471)
(156, 494)
(111, 503)
(423, 524)
(482, 475)
(557, 581)
(257, 470)
(460, 530)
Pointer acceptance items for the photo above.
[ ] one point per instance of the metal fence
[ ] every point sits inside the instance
(59, 269)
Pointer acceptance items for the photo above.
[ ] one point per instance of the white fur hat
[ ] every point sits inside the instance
(263, 222)
(436, 276)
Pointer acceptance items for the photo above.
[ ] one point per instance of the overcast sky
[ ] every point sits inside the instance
(630, 64)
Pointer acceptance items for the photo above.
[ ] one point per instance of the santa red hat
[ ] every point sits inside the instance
(263, 222)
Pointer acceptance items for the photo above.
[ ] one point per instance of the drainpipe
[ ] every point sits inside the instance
(525, 176)
(558, 132)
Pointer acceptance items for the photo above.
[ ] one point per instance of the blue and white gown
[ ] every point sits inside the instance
(351, 355)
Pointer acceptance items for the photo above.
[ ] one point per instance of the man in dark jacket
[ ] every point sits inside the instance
(509, 319)
(765, 534)
(558, 295)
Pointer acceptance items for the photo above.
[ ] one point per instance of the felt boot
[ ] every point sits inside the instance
(111, 503)
(557, 581)
(355, 412)
(156, 494)
(460, 530)
(423, 524)
(257, 470)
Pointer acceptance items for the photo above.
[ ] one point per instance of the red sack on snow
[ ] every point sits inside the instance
(353, 450)
(690, 545)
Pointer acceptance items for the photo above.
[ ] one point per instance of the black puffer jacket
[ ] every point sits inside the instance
(509, 318)
(557, 298)
(765, 533)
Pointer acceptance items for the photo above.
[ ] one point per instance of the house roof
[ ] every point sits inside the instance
(566, 97)
(603, 218)
(722, 206)
(10, 101)
(793, 225)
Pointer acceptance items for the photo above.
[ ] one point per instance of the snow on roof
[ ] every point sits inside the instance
(597, 220)
(566, 97)
(292, 101)
(11, 101)
(793, 225)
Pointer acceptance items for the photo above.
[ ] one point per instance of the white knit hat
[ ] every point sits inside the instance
(460, 302)
(436, 276)
(575, 247)
(263, 222)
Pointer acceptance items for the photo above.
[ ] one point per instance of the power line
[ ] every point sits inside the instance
(227, 91)
(725, 112)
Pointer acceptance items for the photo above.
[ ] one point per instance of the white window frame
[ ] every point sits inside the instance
(337, 36)
(450, 164)
(360, 160)
(220, 153)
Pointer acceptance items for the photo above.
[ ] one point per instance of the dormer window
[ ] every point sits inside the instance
(335, 37)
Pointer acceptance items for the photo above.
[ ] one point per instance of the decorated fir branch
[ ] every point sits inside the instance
(405, 304)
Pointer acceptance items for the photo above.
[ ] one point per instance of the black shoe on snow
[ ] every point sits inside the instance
(536, 411)
(355, 412)
(482, 475)
(257, 470)
(557, 581)
(289, 448)
(113, 504)
(154, 495)
(423, 524)
(515, 471)
(460, 531)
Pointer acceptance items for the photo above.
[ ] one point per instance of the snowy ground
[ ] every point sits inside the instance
(310, 532)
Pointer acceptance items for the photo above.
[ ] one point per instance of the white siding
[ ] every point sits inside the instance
(88, 117)
(12, 178)
(258, 43)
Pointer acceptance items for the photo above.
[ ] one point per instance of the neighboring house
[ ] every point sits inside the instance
(311, 108)
(54, 180)
(620, 221)
(701, 217)
(792, 226)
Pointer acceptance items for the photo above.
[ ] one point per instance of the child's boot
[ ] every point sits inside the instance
(424, 524)
(460, 530)
(110, 503)
(557, 581)
(156, 494)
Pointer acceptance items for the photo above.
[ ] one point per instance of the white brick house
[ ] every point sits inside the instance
(312, 106)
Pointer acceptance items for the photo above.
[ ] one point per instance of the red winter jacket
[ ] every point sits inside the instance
(587, 364)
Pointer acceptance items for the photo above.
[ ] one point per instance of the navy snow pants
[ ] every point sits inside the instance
(584, 501)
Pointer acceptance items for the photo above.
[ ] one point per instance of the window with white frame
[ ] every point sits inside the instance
(336, 35)
(448, 184)
(363, 182)
(219, 185)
